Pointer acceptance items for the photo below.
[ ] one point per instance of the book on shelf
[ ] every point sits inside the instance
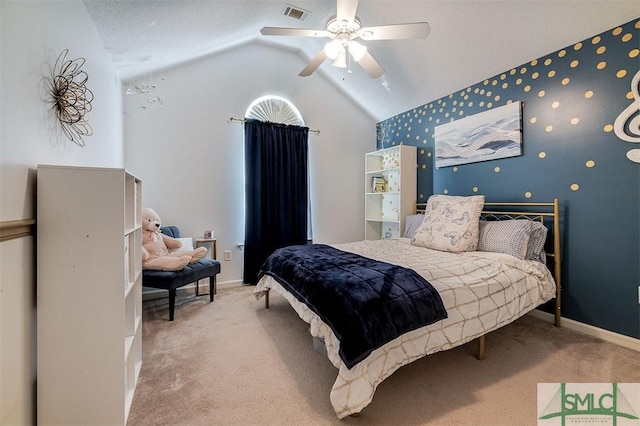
(378, 184)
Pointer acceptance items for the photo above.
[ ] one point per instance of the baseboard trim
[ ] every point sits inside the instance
(609, 336)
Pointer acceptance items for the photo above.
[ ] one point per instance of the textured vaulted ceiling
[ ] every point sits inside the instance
(469, 40)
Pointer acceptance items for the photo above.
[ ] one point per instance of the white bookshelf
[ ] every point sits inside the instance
(386, 208)
(89, 294)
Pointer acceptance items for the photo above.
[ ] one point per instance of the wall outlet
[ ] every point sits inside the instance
(227, 255)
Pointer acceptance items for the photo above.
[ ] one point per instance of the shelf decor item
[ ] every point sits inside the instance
(379, 184)
(65, 88)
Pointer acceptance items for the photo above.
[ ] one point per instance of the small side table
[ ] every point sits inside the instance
(211, 253)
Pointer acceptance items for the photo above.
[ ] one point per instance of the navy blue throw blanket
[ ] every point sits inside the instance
(367, 303)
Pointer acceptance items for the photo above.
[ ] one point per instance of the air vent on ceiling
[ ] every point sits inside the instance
(296, 12)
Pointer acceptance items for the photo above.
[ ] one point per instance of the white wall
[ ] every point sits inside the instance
(190, 156)
(31, 32)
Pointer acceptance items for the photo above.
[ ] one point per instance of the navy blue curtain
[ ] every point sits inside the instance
(276, 191)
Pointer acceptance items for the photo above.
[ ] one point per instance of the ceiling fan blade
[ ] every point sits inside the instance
(346, 10)
(371, 66)
(313, 64)
(394, 32)
(301, 32)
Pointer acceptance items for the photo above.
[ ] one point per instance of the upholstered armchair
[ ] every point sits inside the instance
(172, 280)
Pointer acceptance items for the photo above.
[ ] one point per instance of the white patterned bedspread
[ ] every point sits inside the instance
(481, 291)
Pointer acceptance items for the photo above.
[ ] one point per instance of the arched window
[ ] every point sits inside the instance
(274, 109)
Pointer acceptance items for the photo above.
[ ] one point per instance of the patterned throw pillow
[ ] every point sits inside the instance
(535, 248)
(450, 223)
(505, 236)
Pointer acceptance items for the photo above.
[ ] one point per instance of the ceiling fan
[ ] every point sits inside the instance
(344, 29)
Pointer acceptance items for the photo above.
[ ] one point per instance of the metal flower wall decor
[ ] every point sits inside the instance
(66, 91)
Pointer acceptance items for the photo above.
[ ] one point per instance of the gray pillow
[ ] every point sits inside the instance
(411, 224)
(521, 238)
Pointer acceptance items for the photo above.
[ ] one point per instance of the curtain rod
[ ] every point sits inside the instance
(242, 120)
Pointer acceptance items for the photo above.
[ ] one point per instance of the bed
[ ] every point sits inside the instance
(482, 288)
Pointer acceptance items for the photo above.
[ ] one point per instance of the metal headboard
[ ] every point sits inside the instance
(548, 213)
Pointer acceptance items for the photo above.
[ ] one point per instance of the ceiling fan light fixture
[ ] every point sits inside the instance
(333, 48)
(357, 50)
(341, 60)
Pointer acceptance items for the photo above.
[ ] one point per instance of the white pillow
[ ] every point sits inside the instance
(450, 223)
(187, 243)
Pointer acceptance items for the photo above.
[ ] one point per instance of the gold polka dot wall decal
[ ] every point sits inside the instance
(574, 63)
(590, 164)
(535, 75)
(446, 191)
(600, 50)
(542, 154)
(475, 189)
(424, 167)
(634, 53)
(588, 94)
(527, 194)
(505, 85)
(556, 104)
(519, 81)
(637, 25)
(548, 129)
(595, 40)
(496, 169)
(429, 154)
(485, 82)
(512, 71)
(527, 88)
(534, 62)
(577, 46)
(541, 93)
(471, 103)
(565, 81)
(547, 61)
(575, 120)
(608, 128)
(455, 168)
(551, 74)
(503, 76)
(481, 103)
(497, 98)
(523, 70)
(621, 73)
(562, 53)
(533, 120)
(627, 37)
(601, 65)
(494, 82)
(629, 95)
(574, 187)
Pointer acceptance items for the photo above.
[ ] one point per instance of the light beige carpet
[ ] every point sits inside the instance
(232, 362)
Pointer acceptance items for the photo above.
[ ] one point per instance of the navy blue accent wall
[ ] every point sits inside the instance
(581, 144)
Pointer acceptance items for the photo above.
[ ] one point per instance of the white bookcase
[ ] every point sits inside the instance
(89, 294)
(388, 204)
